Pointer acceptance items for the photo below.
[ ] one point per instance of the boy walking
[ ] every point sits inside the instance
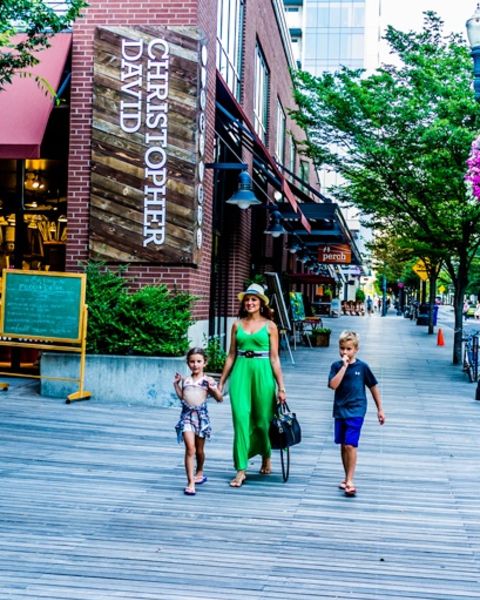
(349, 377)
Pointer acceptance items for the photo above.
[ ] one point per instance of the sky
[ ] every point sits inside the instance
(407, 14)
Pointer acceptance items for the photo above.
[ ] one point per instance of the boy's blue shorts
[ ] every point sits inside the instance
(347, 431)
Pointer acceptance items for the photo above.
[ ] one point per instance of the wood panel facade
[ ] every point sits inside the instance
(148, 144)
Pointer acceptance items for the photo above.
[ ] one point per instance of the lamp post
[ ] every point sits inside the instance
(473, 34)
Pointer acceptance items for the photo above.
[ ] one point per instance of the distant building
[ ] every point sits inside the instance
(328, 34)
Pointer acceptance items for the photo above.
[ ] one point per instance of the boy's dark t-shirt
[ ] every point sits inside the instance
(350, 397)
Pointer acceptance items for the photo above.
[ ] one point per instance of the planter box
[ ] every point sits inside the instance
(143, 380)
(320, 339)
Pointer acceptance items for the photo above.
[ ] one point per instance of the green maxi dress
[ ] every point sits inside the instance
(252, 397)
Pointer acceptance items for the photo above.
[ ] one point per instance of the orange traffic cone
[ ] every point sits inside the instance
(440, 340)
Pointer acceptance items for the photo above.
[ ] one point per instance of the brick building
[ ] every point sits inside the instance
(165, 102)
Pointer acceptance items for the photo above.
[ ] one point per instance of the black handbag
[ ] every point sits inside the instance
(284, 432)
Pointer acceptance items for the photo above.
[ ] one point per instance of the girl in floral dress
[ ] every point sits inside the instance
(194, 424)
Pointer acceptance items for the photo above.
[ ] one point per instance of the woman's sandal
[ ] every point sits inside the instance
(266, 469)
(342, 485)
(238, 481)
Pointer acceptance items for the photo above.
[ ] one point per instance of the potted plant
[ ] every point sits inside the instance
(320, 336)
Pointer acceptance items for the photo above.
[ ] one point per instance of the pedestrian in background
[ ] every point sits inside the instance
(194, 424)
(256, 380)
(369, 305)
(349, 377)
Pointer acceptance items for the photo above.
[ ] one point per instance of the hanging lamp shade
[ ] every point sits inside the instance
(275, 229)
(244, 196)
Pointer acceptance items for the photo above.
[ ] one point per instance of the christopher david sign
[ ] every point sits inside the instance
(339, 254)
(148, 143)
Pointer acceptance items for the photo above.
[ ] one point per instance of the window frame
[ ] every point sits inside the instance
(281, 134)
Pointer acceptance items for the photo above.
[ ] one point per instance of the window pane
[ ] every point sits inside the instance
(229, 26)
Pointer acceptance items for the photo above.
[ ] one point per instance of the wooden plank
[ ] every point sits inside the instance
(91, 503)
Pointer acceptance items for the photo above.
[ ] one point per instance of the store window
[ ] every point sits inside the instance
(260, 107)
(281, 133)
(229, 42)
(33, 221)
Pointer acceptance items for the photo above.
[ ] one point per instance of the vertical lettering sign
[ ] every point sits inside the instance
(148, 144)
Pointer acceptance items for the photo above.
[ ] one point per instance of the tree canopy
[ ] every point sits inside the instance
(38, 21)
(400, 139)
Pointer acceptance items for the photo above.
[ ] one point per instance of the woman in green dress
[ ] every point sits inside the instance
(256, 380)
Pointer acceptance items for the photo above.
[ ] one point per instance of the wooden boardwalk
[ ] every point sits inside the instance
(91, 503)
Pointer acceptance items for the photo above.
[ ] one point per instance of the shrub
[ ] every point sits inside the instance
(151, 321)
(216, 355)
(324, 330)
(360, 295)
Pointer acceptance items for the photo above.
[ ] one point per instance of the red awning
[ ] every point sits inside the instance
(24, 107)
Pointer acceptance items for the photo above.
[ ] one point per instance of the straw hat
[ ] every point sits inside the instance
(254, 289)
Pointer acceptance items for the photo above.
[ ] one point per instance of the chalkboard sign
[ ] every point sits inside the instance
(42, 305)
(274, 287)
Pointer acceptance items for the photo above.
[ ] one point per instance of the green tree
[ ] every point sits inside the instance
(39, 22)
(400, 139)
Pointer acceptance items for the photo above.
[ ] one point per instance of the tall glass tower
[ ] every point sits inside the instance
(329, 33)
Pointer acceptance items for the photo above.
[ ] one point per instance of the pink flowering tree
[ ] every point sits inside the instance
(472, 176)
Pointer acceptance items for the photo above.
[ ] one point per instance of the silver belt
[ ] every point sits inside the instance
(252, 354)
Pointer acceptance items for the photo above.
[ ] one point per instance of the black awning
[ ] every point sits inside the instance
(328, 226)
(309, 216)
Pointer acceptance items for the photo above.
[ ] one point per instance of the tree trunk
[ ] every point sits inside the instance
(458, 326)
(431, 300)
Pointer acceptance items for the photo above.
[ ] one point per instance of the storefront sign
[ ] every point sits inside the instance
(340, 254)
(148, 144)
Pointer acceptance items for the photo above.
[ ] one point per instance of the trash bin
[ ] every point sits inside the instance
(423, 314)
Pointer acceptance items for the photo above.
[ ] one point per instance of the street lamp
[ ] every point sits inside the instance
(244, 197)
(275, 227)
(473, 34)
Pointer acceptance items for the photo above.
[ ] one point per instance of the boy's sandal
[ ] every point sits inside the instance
(350, 491)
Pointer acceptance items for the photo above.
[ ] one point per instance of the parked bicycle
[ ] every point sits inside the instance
(470, 355)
